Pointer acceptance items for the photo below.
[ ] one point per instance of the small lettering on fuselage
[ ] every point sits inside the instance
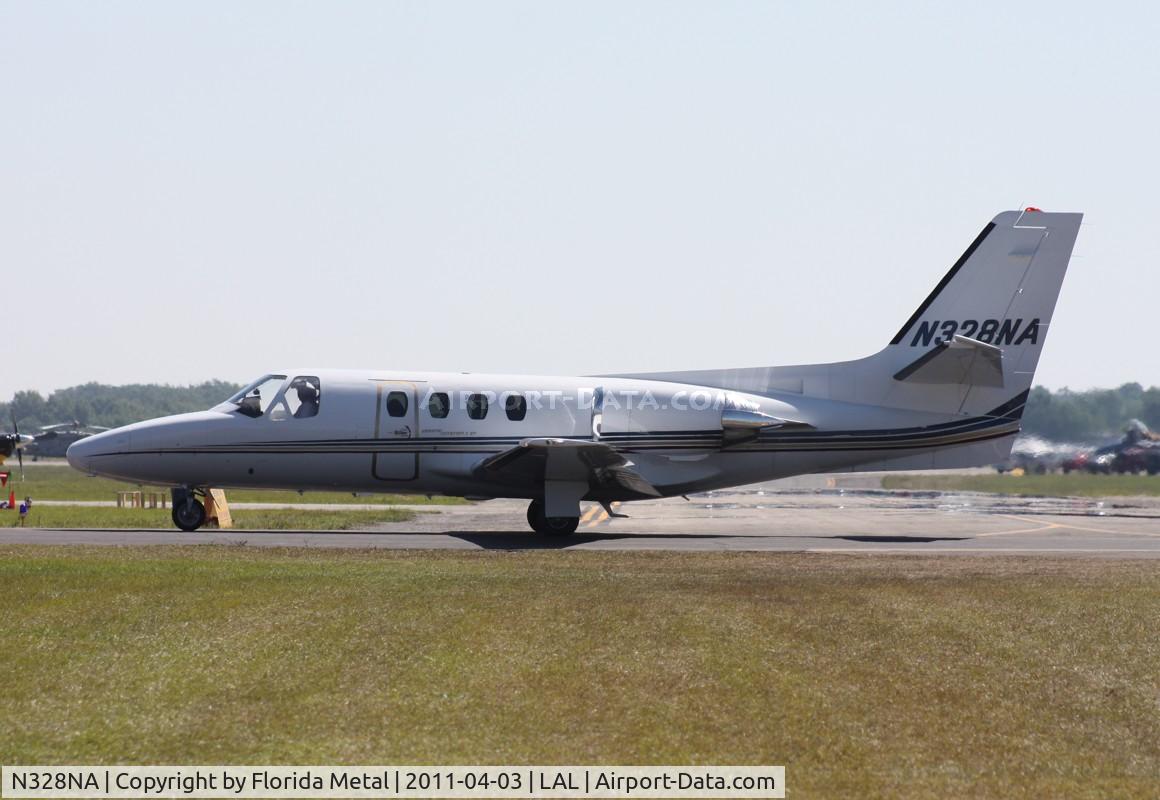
(990, 331)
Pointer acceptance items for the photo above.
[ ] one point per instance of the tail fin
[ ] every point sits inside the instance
(973, 344)
(970, 348)
(1001, 291)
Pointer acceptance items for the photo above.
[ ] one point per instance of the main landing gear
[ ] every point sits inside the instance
(550, 526)
(188, 511)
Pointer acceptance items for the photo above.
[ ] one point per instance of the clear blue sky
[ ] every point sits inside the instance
(207, 189)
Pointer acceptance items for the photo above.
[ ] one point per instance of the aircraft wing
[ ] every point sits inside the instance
(581, 460)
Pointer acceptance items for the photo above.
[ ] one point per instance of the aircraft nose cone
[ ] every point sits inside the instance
(109, 453)
(80, 454)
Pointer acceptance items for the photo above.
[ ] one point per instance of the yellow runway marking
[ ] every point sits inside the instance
(977, 551)
(1070, 526)
(594, 517)
(1042, 526)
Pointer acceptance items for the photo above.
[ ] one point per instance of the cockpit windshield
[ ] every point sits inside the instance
(271, 396)
(255, 399)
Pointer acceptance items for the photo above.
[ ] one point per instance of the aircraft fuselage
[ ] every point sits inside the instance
(378, 432)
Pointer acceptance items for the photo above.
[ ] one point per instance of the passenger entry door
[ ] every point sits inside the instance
(396, 429)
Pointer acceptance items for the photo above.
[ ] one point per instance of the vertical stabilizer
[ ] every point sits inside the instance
(975, 341)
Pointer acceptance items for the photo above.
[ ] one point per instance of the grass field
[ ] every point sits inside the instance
(874, 676)
(59, 482)
(265, 519)
(1074, 485)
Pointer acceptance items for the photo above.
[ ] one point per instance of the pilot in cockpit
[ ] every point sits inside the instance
(307, 399)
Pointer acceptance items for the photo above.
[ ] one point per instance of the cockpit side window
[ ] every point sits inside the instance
(255, 399)
(304, 396)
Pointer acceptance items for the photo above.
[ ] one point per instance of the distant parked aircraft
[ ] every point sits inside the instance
(947, 391)
(1138, 451)
(14, 442)
(53, 441)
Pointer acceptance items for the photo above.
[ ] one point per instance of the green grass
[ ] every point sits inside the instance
(57, 482)
(1074, 485)
(865, 676)
(265, 519)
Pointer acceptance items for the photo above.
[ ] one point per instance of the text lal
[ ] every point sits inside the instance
(557, 781)
(683, 781)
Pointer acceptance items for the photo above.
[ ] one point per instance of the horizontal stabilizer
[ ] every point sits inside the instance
(962, 361)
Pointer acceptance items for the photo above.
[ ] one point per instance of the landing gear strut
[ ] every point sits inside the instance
(550, 526)
(188, 511)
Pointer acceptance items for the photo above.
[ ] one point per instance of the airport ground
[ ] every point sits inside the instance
(866, 675)
(853, 513)
(905, 643)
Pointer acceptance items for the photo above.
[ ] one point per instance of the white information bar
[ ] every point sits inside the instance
(390, 782)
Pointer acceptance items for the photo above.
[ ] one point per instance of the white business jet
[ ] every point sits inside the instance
(947, 391)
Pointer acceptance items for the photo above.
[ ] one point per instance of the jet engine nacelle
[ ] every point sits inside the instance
(743, 420)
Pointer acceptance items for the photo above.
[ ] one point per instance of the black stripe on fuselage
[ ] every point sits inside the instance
(942, 435)
(757, 447)
(1002, 414)
(1013, 408)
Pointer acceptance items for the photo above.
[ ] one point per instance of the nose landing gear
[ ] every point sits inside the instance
(188, 511)
(550, 526)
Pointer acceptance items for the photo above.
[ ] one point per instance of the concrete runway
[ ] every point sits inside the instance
(816, 514)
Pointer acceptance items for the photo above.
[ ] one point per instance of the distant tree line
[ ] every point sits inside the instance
(110, 406)
(1061, 416)
(1092, 415)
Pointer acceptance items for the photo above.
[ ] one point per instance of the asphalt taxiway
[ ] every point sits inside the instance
(832, 515)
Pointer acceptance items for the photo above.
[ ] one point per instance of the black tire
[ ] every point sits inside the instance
(190, 515)
(550, 526)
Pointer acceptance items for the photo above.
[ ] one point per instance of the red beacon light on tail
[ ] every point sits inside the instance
(1033, 209)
